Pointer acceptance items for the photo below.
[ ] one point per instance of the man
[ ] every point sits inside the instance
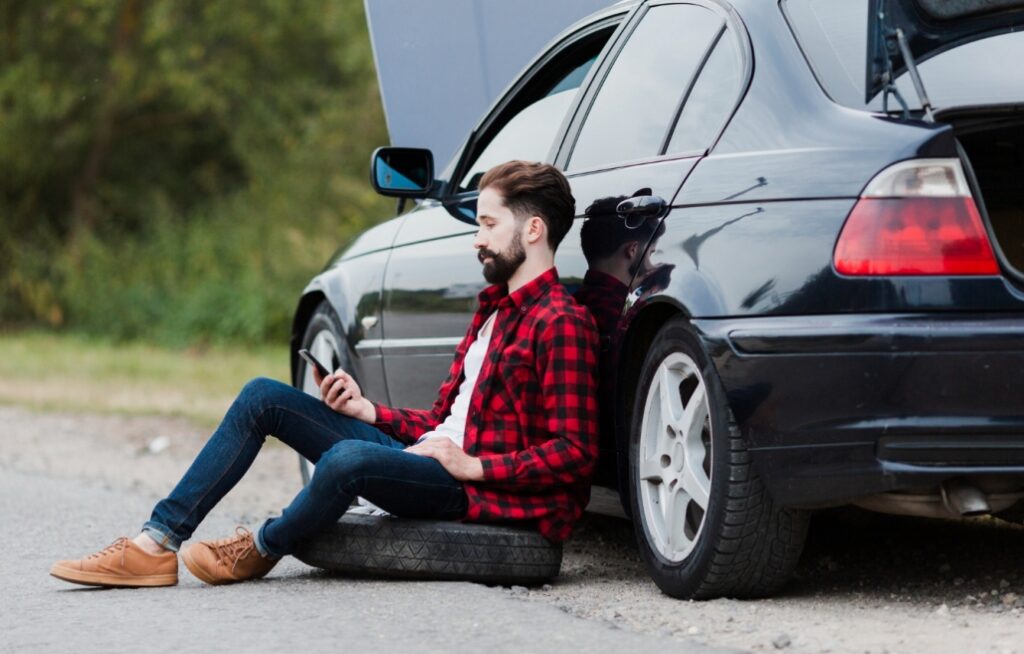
(511, 437)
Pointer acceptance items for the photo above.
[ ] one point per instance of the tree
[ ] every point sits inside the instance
(115, 116)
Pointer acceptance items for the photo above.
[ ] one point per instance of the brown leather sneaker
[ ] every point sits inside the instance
(228, 560)
(121, 564)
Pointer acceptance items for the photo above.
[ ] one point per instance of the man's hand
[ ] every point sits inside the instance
(458, 464)
(341, 392)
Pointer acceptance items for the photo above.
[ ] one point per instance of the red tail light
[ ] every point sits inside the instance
(916, 218)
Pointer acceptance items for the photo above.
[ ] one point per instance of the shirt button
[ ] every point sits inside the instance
(522, 310)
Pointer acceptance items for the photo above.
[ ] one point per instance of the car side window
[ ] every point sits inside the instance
(711, 99)
(637, 102)
(534, 117)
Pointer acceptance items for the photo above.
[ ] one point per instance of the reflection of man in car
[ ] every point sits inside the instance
(614, 247)
(511, 437)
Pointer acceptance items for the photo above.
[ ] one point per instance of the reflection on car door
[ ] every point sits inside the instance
(430, 290)
(642, 128)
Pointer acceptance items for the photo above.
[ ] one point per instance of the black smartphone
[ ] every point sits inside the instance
(311, 360)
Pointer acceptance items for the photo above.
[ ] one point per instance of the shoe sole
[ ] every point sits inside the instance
(111, 580)
(197, 571)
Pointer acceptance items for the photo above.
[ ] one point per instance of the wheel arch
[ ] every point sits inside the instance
(303, 312)
(636, 342)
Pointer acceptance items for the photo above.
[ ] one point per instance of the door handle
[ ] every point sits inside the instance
(642, 206)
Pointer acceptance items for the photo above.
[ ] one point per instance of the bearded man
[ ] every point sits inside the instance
(512, 436)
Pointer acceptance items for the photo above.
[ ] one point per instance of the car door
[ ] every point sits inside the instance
(623, 139)
(653, 111)
(433, 276)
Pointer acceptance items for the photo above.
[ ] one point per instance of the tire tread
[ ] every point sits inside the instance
(431, 549)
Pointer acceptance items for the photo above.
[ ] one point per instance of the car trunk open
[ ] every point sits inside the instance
(993, 142)
(930, 27)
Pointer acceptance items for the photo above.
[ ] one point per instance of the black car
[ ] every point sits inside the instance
(801, 228)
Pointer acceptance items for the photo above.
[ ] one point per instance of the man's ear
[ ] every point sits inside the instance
(535, 229)
(630, 249)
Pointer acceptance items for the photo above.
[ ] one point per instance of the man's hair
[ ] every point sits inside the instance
(604, 231)
(535, 189)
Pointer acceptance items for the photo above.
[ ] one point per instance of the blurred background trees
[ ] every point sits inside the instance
(176, 170)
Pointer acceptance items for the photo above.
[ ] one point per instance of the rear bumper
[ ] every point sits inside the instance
(839, 407)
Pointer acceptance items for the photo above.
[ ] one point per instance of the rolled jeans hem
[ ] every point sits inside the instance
(162, 535)
(261, 545)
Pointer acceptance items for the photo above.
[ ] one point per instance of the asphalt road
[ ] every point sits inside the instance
(295, 609)
(72, 482)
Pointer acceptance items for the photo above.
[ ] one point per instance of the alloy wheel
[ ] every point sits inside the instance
(674, 464)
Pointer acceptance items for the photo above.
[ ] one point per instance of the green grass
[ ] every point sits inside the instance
(56, 372)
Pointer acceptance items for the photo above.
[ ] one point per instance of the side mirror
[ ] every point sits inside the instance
(402, 172)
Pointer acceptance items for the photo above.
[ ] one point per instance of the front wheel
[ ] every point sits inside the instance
(704, 521)
(323, 338)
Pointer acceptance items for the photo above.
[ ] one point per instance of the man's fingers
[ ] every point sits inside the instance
(432, 447)
(424, 448)
(350, 381)
(325, 385)
(334, 391)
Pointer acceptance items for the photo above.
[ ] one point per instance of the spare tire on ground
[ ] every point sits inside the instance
(385, 546)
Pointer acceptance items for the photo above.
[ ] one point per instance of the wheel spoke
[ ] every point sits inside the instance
(664, 500)
(692, 423)
(694, 480)
(671, 403)
(675, 520)
(650, 469)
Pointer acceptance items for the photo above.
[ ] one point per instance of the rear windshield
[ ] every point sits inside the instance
(833, 36)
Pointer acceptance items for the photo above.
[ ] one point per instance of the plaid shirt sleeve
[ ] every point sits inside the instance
(409, 424)
(567, 369)
(404, 424)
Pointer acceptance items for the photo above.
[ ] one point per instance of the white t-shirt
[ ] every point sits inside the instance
(454, 426)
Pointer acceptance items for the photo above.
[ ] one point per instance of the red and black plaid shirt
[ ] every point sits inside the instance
(605, 297)
(533, 414)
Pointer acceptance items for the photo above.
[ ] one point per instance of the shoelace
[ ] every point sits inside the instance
(119, 544)
(235, 548)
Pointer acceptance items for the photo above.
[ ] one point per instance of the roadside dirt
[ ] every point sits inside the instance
(866, 583)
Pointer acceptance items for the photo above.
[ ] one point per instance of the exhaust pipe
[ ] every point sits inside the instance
(963, 499)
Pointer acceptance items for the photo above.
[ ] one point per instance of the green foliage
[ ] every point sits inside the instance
(178, 169)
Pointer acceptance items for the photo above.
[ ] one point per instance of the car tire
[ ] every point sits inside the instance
(385, 546)
(704, 521)
(325, 339)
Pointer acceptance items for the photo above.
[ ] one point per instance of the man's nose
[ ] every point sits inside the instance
(478, 241)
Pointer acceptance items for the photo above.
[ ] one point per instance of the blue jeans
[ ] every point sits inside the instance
(352, 459)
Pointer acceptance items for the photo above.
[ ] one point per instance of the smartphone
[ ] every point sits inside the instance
(311, 360)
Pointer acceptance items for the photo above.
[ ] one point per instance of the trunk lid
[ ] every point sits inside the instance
(930, 27)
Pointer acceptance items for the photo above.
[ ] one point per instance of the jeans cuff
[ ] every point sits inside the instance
(261, 545)
(162, 535)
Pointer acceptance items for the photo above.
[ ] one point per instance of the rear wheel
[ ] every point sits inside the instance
(704, 521)
(323, 338)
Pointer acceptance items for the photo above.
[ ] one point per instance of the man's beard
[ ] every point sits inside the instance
(502, 266)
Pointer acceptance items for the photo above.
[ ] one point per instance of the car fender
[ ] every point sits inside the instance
(353, 288)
